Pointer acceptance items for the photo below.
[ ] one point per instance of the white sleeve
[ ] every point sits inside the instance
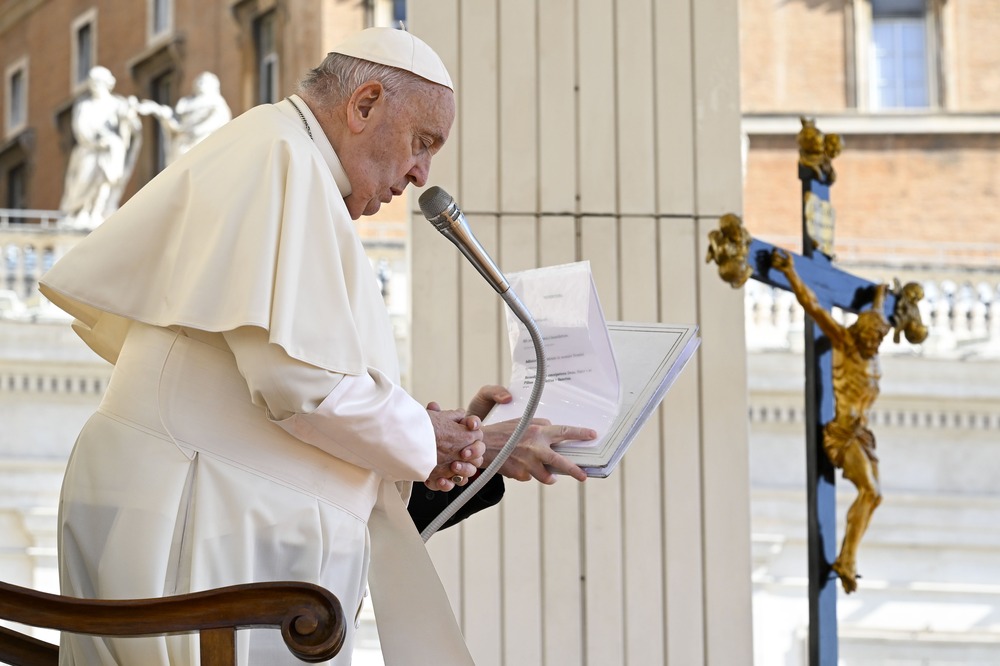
(366, 420)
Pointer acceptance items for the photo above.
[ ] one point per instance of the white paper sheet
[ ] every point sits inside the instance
(582, 385)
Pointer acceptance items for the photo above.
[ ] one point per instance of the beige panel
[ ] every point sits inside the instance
(478, 107)
(435, 266)
(718, 169)
(681, 462)
(603, 566)
(596, 107)
(725, 472)
(556, 107)
(521, 511)
(483, 317)
(636, 94)
(518, 243)
(483, 576)
(561, 521)
(519, 100)
(674, 109)
(522, 574)
(640, 471)
(482, 562)
(437, 23)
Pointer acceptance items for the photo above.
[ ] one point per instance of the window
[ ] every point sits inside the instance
(897, 52)
(386, 13)
(16, 97)
(84, 51)
(161, 18)
(899, 56)
(17, 187)
(161, 89)
(267, 58)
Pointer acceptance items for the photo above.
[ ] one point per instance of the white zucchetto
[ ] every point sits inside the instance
(396, 48)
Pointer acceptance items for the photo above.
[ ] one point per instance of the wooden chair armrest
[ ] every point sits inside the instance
(310, 617)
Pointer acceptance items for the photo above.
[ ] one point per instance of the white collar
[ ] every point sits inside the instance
(288, 107)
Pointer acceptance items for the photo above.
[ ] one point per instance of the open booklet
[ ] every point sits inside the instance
(606, 376)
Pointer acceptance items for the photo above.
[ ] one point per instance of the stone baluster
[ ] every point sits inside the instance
(979, 312)
(994, 316)
(961, 312)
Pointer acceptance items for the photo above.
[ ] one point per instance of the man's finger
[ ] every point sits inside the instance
(571, 433)
(561, 464)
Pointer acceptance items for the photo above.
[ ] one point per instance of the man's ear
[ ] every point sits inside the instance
(365, 99)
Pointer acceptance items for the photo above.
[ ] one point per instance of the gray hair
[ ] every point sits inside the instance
(338, 76)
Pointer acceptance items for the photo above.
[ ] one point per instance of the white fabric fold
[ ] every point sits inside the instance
(343, 415)
(431, 635)
(278, 251)
(372, 423)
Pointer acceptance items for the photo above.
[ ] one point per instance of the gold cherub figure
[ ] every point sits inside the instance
(847, 440)
(729, 246)
(906, 314)
(817, 150)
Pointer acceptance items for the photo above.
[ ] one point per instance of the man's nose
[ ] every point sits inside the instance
(420, 172)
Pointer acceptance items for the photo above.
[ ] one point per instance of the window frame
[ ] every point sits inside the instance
(88, 17)
(863, 54)
(269, 61)
(14, 122)
(152, 34)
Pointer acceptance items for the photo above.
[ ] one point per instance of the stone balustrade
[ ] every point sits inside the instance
(961, 306)
(961, 311)
(30, 242)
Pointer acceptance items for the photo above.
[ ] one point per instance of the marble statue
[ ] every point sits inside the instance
(195, 116)
(107, 129)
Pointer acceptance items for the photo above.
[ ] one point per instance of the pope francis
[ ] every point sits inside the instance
(254, 428)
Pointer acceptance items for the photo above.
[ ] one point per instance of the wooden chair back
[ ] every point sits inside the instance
(310, 618)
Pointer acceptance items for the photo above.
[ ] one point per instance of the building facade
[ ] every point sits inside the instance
(913, 88)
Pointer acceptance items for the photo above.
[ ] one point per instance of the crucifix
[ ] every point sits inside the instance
(841, 368)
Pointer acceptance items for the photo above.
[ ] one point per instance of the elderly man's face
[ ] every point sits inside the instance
(395, 149)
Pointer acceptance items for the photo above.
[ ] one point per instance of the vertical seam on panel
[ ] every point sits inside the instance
(538, 255)
(657, 207)
(502, 630)
(577, 237)
(694, 107)
(617, 221)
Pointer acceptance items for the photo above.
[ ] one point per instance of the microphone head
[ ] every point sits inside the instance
(435, 201)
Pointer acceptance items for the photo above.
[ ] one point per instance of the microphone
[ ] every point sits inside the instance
(440, 209)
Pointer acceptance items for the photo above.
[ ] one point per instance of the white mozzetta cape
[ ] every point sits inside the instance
(246, 229)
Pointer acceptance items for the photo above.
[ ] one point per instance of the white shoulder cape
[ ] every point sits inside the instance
(248, 228)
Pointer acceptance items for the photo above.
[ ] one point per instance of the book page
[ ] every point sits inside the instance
(582, 385)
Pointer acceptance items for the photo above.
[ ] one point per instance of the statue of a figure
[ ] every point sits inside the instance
(847, 440)
(728, 246)
(107, 129)
(817, 150)
(195, 117)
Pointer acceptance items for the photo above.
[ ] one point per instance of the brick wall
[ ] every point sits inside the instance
(938, 189)
(207, 36)
(792, 55)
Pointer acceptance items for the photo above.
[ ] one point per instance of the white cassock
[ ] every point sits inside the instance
(254, 425)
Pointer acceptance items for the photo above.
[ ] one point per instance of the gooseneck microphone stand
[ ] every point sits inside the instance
(441, 210)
